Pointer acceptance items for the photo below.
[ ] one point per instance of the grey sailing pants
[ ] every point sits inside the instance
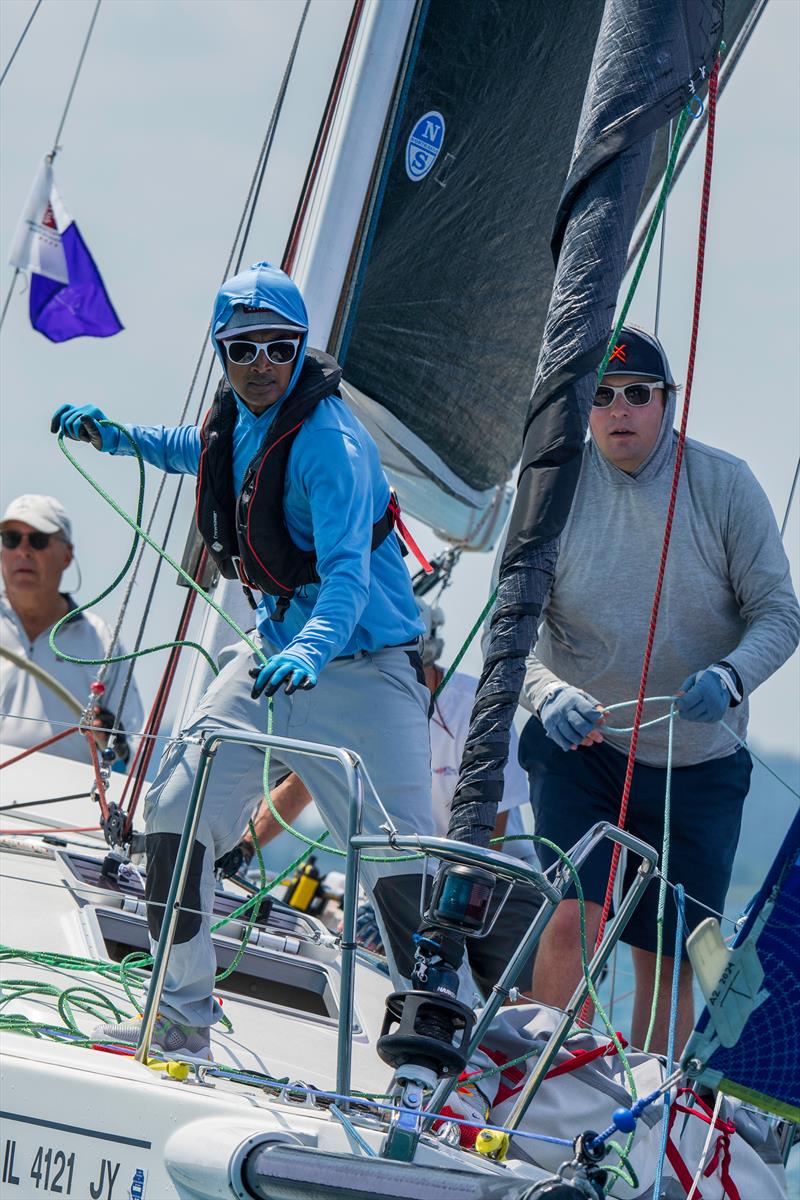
(374, 704)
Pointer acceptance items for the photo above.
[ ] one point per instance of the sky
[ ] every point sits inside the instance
(157, 155)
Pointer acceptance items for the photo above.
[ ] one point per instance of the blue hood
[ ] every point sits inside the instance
(261, 286)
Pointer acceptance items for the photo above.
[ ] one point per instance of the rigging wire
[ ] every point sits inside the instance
(661, 247)
(273, 123)
(792, 491)
(35, 803)
(239, 240)
(62, 122)
(21, 39)
(9, 294)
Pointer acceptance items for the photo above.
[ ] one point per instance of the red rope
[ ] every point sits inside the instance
(136, 776)
(98, 775)
(55, 830)
(40, 746)
(698, 292)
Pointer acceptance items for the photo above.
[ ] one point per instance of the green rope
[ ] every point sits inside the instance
(139, 532)
(625, 1170)
(469, 640)
(252, 903)
(317, 843)
(680, 129)
(94, 1004)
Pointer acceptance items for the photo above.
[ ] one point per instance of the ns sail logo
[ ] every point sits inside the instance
(423, 145)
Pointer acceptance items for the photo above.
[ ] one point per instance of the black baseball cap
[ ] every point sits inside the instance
(638, 353)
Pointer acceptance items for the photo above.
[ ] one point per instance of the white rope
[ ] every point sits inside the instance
(704, 1156)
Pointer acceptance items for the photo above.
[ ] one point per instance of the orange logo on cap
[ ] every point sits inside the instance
(619, 352)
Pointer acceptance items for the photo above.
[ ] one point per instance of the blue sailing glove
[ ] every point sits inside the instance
(282, 668)
(79, 422)
(707, 695)
(569, 715)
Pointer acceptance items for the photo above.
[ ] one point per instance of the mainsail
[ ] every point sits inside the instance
(453, 274)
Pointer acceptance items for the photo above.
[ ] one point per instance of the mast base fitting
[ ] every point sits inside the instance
(433, 1031)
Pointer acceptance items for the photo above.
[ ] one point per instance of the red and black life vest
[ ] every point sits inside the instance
(247, 536)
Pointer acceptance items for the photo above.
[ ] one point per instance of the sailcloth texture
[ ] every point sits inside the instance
(68, 298)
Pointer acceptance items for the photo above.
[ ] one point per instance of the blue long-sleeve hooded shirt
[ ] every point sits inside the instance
(335, 491)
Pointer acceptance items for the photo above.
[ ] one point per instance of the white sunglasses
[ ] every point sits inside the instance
(278, 352)
(638, 395)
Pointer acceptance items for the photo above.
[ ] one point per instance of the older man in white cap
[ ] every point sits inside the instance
(37, 548)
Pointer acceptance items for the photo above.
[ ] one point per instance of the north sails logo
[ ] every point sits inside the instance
(619, 352)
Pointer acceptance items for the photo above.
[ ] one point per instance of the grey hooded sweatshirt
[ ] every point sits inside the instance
(727, 592)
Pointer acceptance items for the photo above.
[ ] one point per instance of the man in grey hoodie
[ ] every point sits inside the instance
(728, 619)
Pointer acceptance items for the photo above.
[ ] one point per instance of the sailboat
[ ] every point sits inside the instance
(316, 1088)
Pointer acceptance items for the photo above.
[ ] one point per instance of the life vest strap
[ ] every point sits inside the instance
(393, 513)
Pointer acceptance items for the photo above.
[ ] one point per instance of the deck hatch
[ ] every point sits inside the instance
(271, 976)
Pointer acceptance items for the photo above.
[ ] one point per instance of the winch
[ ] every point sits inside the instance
(427, 1031)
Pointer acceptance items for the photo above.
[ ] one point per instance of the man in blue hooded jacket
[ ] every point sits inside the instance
(292, 501)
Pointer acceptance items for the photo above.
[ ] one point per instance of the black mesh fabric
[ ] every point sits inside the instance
(449, 314)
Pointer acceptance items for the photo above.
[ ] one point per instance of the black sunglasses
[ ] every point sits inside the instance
(12, 538)
(279, 352)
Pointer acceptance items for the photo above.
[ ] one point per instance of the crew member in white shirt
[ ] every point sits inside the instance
(37, 549)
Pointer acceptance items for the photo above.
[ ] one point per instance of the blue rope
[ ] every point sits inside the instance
(680, 902)
(246, 1077)
(645, 724)
(624, 1119)
(662, 883)
(283, 1085)
(666, 716)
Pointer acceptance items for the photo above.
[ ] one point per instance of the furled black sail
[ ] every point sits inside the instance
(649, 60)
(442, 331)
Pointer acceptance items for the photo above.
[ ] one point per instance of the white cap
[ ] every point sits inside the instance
(40, 512)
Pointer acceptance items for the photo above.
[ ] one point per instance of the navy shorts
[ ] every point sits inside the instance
(489, 956)
(573, 790)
